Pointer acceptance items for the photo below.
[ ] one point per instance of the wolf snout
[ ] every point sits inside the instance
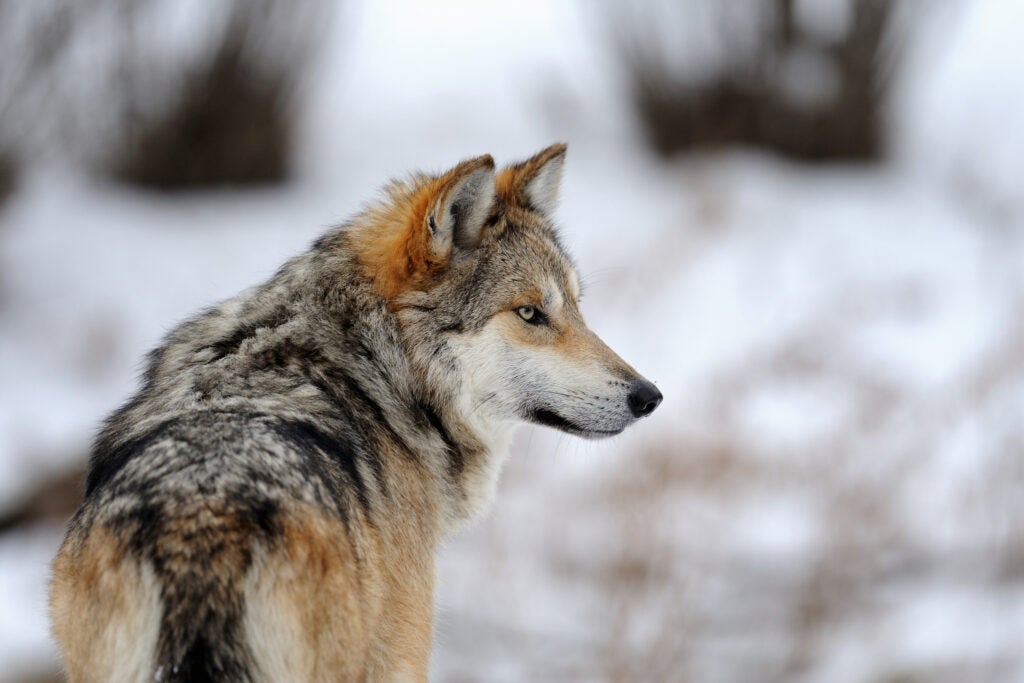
(643, 398)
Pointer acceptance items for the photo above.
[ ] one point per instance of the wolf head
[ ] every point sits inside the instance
(488, 299)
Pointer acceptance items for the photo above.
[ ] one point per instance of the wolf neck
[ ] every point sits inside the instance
(475, 443)
(319, 343)
(382, 359)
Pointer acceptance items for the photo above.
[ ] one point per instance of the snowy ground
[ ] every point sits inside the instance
(833, 489)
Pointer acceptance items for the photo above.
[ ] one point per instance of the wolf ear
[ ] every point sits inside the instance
(462, 203)
(535, 182)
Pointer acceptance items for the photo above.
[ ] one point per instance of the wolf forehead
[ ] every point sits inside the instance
(527, 257)
(494, 228)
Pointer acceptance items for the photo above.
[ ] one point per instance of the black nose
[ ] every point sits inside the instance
(643, 398)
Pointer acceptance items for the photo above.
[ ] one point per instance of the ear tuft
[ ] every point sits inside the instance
(537, 181)
(463, 201)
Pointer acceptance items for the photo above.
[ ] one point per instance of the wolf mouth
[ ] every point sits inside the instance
(550, 418)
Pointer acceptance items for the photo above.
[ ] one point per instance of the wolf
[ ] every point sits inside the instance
(267, 507)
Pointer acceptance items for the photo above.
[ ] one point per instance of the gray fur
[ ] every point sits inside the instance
(293, 390)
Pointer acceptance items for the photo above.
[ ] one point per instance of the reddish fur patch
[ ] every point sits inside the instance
(100, 599)
(394, 242)
(394, 245)
(310, 608)
(511, 182)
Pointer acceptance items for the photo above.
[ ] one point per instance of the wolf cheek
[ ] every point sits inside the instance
(524, 351)
(545, 366)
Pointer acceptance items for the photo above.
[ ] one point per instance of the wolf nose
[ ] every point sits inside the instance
(643, 398)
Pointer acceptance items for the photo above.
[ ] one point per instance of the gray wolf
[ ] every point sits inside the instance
(267, 507)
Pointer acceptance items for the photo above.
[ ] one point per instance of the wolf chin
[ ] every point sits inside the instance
(267, 507)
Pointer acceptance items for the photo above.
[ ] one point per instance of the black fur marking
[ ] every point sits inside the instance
(230, 344)
(306, 437)
(494, 219)
(110, 458)
(326, 241)
(549, 418)
(263, 514)
(288, 354)
(367, 352)
(455, 327)
(456, 212)
(198, 665)
(357, 392)
(146, 522)
(524, 203)
(344, 411)
(213, 655)
(456, 458)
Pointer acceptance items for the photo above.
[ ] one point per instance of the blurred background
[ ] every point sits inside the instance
(803, 218)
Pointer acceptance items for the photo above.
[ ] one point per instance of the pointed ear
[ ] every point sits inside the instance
(535, 182)
(462, 201)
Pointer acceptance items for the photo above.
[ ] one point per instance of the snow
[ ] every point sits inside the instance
(831, 489)
(957, 109)
(25, 647)
(827, 20)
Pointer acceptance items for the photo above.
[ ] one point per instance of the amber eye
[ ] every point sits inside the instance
(532, 315)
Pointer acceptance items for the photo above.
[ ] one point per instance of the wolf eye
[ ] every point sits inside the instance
(532, 315)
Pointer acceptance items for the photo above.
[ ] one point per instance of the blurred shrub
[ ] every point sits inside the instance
(54, 498)
(805, 79)
(8, 175)
(234, 119)
(162, 93)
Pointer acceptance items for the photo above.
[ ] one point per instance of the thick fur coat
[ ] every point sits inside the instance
(268, 506)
